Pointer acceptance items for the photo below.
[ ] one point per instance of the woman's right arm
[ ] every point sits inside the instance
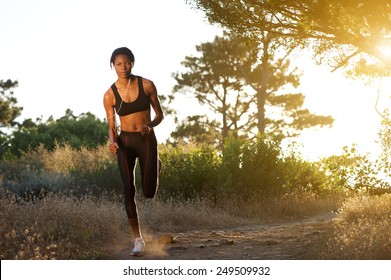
(108, 103)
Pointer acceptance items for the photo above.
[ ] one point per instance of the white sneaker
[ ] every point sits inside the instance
(139, 246)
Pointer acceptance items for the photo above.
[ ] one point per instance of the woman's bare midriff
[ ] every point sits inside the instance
(134, 122)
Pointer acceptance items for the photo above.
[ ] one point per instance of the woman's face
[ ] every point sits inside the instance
(122, 66)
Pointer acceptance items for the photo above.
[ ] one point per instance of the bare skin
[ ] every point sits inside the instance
(127, 86)
(128, 89)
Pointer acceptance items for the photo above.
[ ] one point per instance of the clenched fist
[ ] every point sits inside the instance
(113, 148)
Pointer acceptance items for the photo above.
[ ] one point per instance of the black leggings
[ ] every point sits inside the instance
(134, 145)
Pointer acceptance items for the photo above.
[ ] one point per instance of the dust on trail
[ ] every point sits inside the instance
(278, 241)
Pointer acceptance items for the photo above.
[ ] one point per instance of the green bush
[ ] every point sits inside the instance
(230, 171)
(259, 168)
(189, 171)
(352, 171)
(80, 171)
(85, 130)
(262, 170)
(304, 176)
(242, 170)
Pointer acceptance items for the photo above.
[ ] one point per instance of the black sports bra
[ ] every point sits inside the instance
(142, 102)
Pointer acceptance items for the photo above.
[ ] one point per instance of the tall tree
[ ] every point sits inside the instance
(235, 62)
(196, 129)
(341, 32)
(271, 75)
(9, 110)
(215, 82)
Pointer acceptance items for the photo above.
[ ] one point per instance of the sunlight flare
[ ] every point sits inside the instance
(385, 50)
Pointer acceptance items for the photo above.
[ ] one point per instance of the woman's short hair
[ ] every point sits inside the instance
(124, 51)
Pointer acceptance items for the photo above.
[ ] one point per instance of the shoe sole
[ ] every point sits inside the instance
(137, 254)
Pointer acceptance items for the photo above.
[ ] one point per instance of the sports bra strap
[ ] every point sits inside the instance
(140, 84)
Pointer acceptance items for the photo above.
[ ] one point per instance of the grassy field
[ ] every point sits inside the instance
(67, 203)
(65, 227)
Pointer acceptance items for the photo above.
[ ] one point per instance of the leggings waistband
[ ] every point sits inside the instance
(129, 132)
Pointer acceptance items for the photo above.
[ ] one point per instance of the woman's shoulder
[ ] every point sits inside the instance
(109, 94)
(144, 80)
(147, 84)
(109, 91)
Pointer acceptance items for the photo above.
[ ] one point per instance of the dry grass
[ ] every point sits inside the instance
(177, 216)
(64, 158)
(362, 230)
(66, 227)
(289, 206)
(59, 227)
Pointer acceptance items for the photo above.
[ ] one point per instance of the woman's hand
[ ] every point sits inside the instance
(113, 148)
(145, 129)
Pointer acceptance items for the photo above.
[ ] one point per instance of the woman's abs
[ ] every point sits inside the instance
(134, 122)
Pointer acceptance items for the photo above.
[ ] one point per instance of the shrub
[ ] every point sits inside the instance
(361, 229)
(262, 169)
(304, 176)
(243, 169)
(352, 171)
(80, 171)
(188, 171)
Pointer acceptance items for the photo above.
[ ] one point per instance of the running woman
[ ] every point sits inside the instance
(131, 98)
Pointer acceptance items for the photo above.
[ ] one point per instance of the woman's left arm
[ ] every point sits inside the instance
(151, 91)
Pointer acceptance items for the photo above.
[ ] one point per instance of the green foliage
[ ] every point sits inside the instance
(231, 165)
(243, 171)
(214, 80)
(84, 130)
(291, 118)
(196, 129)
(341, 33)
(261, 167)
(102, 179)
(241, 78)
(189, 171)
(352, 171)
(63, 169)
(8, 109)
(304, 176)
(250, 168)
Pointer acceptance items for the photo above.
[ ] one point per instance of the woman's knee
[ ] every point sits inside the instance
(150, 192)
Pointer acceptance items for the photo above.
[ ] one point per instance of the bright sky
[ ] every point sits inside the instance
(59, 52)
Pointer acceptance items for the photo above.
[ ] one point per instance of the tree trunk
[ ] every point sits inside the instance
(261, 92)
(261, 100)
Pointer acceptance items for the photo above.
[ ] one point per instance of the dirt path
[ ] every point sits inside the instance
(280, 241)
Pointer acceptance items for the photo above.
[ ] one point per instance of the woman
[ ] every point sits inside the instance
(131, 98)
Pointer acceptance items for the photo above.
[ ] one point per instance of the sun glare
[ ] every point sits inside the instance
(385, 49)
(351, 103)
